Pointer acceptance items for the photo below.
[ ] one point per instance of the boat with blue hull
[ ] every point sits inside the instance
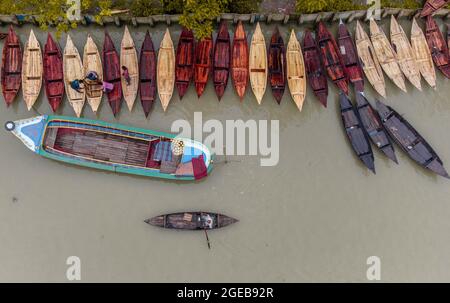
(114, 147)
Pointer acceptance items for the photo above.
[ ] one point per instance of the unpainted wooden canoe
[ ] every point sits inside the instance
(147, 74)
(369, 60)
(258, 64)
(438, 46)
(112, 74)
(222, 60)
(184, 65)
(405, 54)
(277, 65)
(239, 61)
(198, 220)
(53, 73)
(295, 69)
(92, 62)
(73, 70)
(422, 54)
(32, 70)
(11, 69)
(166, 70)
(431, 6)
(203, 64)
(386, 55)
(129, 60)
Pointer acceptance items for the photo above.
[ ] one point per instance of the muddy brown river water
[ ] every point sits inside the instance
(315, 216)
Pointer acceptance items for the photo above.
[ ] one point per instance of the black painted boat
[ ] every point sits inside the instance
(191, 220)
(355, 132)
(410, 140)
(373, 126)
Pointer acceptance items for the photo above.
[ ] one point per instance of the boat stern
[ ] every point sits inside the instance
(29, 131)
(155, 221)
(223, 220)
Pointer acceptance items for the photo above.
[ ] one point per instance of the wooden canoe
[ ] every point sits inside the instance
(295, 69)
(258, 64)
(53, 73)
(239, 61)
(411, 142)
(202, 66)
(184, 65)
(405, 54)
(112, 74)
(431, 6)
(32, 70)
(438, 46)
(315, 73)
(369, 60)
(92, 62)
(448, 36)
(331, 58)
(373, 126)
(422, 54)
(11, 69)
(355, 132)
(222, 60)
(350, 59)
(166, 70)
(113, 147)
(129, 60)
(147, 74)
(198, 220)
(277, 65)
(73, 70)
(386, 55)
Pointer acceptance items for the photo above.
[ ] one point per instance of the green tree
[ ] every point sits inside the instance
(243, 6)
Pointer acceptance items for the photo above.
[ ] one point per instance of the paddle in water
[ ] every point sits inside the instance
(207, 239)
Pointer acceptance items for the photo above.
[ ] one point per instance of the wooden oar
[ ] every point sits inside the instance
(207, 239)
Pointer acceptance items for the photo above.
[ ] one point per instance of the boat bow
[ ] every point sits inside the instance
(29, 131)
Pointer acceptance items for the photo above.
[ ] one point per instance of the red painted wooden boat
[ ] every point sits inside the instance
(315, 74)
(221, 62)
(239, 61)
(438, 46)
(147, 74)
(277, 65)
(11, 70)
(111, 73)
(431, 6)
(350, 58)
(331, 58)
(184, 63)
(53, 73)
(202, 65)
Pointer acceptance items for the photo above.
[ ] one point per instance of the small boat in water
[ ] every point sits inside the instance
(11, 69)
(114, 147)
(355, 132)
(315, 74)
(350, 59)
(184, 66)
(295, 69)
(165, 70)
(332, 60)
(438, 46)
(277, 65)
(53, 73)
(410, 140)
(112, 74)
(129, 60)
(373, 126)
(431, 6)
(239, 61)
(147, 74)
(32, 70)
(203, 64)
(222, 60)
(73, 70)
(422, 54)
(197, 220)
(92, 62)
(258, 64)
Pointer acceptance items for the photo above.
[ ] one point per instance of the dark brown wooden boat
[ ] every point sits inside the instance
(202, 67)
(147, 74)
(332, 60)
(11, 70)
(277, 65)
(184, 63)
(239, 61)
(448, 37)
(315, 74)
(197, 220)
(111, 73)
(222, 58)
(410, 140)
(373, 126)
(350, 58)
(431, 6)
(53, 73)
(438, 46)
(355, 132)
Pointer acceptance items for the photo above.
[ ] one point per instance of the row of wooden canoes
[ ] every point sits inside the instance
(342, 60)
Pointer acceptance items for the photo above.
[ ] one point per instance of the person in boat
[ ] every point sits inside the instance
(107, 87)
(126, 74)
(77, 84)
(207, 221)
(93, 76)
